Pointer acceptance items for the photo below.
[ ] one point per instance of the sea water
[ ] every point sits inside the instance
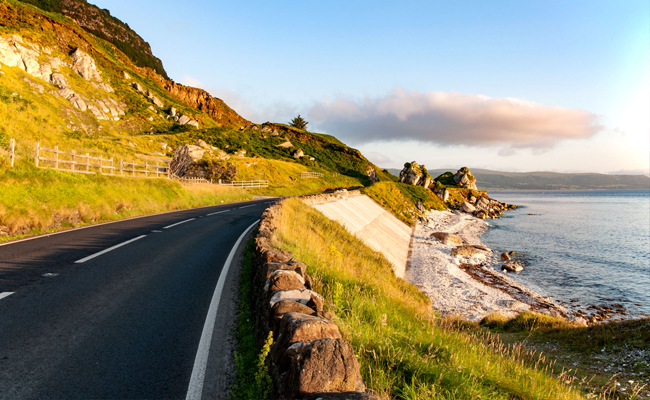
(579, 247)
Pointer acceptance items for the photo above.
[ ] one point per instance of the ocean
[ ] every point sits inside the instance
(580, 248)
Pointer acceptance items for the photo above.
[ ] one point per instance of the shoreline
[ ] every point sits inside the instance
(466, 286)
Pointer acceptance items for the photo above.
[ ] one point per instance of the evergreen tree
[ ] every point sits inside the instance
(299, 122)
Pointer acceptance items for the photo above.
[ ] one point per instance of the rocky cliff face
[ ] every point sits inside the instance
(465, 179)
(100, 23)
(415, 174)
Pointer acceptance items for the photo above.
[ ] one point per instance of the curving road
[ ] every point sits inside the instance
(117, 311)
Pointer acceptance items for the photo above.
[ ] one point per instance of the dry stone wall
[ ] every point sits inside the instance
(308, 358)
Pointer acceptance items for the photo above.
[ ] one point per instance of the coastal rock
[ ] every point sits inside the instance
(465, 179)
(448, 238)
(467, 251)
(325, 365)
(415, 174)
(505, 256)
(467, 207)
(512, 266)
(441, 192)
(482, 203)
(482, 214)
(85, 66)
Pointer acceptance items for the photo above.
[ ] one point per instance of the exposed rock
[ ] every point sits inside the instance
(126, 75)
(184, 156)
(297, 327)
(286, 306)
(448, 238)
(297, 153)
(183, 119)
(441, 192)
(138, 87)
(505, 256)
(467, 207)
(103, 86)
(467, 251)
(415, 174)
(512, 266)
(85, 66)
(193, 123)
(303, 296)
(66, 93)
(36, 86)
(271, 267)
(465, 179)
(172, 112)
(77, 102)
(155, 100)
(241, 153)
(59, 81)
(372, 174)
(95, 111)
(325, 365)
(286, 144)
(56, 63)
(482, 214)
(284, 280)
(482, 203)
(9, 55)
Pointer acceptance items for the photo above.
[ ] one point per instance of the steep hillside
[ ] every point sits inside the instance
(102, 24)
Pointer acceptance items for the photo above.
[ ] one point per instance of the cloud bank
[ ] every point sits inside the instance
(453, 119)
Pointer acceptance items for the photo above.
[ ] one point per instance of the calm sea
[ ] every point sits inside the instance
(589, 246)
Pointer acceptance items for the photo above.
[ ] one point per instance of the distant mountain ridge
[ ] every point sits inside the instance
(497, 180)
(102, 24)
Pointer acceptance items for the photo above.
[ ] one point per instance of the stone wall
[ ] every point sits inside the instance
(308, 359)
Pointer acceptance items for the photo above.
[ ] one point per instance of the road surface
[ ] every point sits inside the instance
(117, 310)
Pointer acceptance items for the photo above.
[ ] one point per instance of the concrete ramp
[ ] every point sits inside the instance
(378, 228)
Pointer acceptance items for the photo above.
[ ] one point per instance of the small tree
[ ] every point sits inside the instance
(299, 122)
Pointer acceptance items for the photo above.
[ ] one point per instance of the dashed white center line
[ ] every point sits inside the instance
(156, 231)
(248, 206)
(218, 212)
(178, 223)
(5, 294)
(109, 249)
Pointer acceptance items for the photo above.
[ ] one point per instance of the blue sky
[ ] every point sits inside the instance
(507, 85)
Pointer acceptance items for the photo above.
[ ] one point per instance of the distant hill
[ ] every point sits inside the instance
(497, 180)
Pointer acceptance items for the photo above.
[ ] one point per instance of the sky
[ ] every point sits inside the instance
(517, 86)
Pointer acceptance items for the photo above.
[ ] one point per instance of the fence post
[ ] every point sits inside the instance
(121, 169)
(12, 151)
(56, 157)
(73, 165)
(87, 162)
(36, 155)
(111, 170)
(146, 173)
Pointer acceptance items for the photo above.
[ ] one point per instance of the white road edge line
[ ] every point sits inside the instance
(248, 206)
(90, 257)
(195, 389)
(5, 294)
(218, 212)
(178, 223)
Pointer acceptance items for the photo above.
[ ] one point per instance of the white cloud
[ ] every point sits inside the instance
(452, 119)
(378, 158)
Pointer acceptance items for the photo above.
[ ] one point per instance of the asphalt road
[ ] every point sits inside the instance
(124, 324)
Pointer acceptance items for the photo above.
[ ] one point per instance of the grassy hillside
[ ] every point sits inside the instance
(405, 351)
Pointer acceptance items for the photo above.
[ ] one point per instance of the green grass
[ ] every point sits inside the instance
(401, 199)
(35, 200)
(404, 350)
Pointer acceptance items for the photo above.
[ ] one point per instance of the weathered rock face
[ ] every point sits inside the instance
(184, 156)
(448, 238)
(297, 153)
(296, 327)
(85, 66)
(415, 174)
(441, 192)
(512, 266)
(284, 280)
(372, 174)
(467, 251)
(325, 365)
(467, 207)
(465, 179)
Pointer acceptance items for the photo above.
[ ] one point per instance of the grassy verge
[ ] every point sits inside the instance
(404, 351)
(252, 381)
(613, 358)
(34, 201)
(402, 199)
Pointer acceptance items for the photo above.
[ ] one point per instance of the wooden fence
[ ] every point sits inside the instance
(191, 181)
(87, 164)
(307, 175)
(248, 184)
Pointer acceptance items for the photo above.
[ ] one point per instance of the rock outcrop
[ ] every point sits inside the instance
(465, 179)
(372, 174)
(448, 238)
(415, 174)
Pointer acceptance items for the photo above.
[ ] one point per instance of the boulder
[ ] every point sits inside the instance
(512, 266)
(85, 66)
(155, 100)
(298, 153)
(284, 280)
(287, 144)
(270, 267)
(138, 87)
(467, 207)
(465, 178)
(482, 203)
(296, 327)
(467, 251)
(372, 174)
(472, 200)
(505, 256)
(184, 156)
(442, 193)
(172, 112)
(325, 365)
(287, 306)
(126, 75)
(482, 214)
(9, 55)
(78, 102)
(448, 238)
(193, 123)
(303, 296)
(183, 119)
(59, 81)
(415, 174)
